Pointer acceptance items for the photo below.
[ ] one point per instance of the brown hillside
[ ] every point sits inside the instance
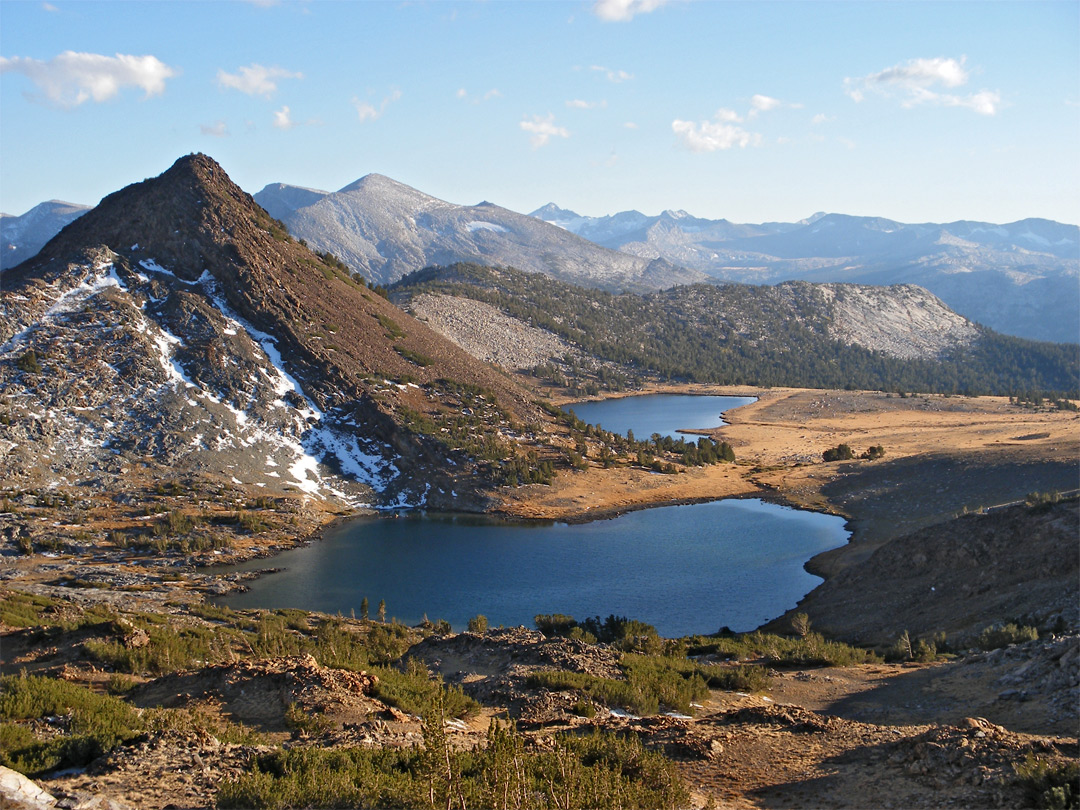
(190, 250)
(958, 577)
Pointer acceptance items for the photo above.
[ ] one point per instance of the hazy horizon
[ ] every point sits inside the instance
(912, 111)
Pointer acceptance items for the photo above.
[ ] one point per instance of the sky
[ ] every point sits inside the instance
(750, 111)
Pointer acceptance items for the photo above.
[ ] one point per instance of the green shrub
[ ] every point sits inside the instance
(1050, 786)
(813, 649)
(599, 770)
(417, 358)
(416, 692)
(98, 723)
(478, 624)
(997, 636)
(554, 624)
(842, 452)
(28, 362)
(1039, 502)
(307, 722)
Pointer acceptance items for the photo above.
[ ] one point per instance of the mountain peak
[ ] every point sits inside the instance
(372, 181)
(552, 213)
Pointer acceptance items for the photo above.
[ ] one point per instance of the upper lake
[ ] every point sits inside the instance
(665, 414)
(684, 569)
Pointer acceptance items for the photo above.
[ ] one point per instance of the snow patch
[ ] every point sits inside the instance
(479, 225)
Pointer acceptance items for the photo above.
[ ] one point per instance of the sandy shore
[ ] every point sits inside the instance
(779, 440)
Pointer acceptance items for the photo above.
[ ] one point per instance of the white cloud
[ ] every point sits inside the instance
(543, 129)
(821, 118)
(283, 119)
(491, 94)
(49, 7)
(255, 80)
(760, 104)
(630, 125)
(369, 112)
(616, 76)
(623, 10)
(580, 104)
(215, 130)
(918, 81)
(71, 78)
(720, 133)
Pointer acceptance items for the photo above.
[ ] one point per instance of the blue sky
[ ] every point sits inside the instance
(923, 111)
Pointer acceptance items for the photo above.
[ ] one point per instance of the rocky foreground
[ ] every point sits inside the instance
(162, 700)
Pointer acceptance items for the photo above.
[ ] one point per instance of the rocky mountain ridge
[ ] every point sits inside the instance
(1020, 278)
(385, 229)
(177, 328)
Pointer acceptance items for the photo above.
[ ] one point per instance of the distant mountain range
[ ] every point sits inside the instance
(23, 236)
(385, 229)
(1022, 278)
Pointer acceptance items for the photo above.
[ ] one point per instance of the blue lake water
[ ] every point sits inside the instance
(665, 414)
(684, 569)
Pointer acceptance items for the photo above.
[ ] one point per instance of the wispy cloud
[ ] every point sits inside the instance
(630, 125)
(623, 10)
(821, 118)
(49, 7)
(369, 112)
(543, 129)
(214, 130)
(72, 78)
(490, 95)
(722, 132)
(760, 104)
(616, 76)
(255, 79)
(580, 104)
(283, 118)
(920, 81)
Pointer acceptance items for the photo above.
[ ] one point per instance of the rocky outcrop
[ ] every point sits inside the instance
(489, 334)
(903, 321)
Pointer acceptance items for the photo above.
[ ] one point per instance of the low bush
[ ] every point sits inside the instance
(416, 692)
(599, 770)
(654, 682)
(96, 723)
(842, 452)
(1002, 635)
(1050, 786)
(812, 649)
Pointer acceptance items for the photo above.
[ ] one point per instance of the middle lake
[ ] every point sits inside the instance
(683, 569)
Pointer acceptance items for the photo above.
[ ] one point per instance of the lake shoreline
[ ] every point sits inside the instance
(735, 563)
